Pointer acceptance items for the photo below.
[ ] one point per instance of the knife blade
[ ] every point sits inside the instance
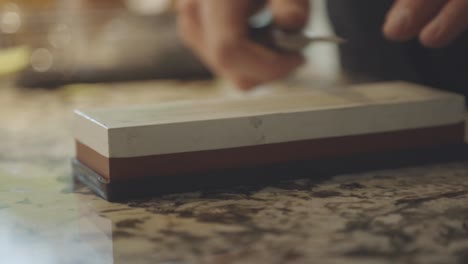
(263, 31)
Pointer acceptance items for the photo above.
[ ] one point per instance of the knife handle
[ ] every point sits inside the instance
(265, 37)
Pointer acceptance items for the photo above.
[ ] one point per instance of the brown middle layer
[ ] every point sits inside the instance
(124, 169)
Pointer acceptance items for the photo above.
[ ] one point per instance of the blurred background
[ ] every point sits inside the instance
(50, 43)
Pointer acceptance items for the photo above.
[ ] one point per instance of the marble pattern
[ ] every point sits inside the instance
(406, 215)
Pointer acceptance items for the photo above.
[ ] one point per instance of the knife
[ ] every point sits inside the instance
(263, 31)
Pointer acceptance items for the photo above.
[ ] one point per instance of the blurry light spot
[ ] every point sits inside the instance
(59, 36)
(148, 7)
(10, 22)
(263, 18)
(116, 28)
(41, 60)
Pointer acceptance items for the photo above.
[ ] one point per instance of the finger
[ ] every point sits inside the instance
(232, 53)
(290, 14)
(407, 18)
(245, 84)
(249, 64)
(267, 65)
(189, 26)
(450, 23)
(225, 21)
(258, 64)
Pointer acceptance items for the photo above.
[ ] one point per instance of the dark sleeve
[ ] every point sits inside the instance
(368, 55)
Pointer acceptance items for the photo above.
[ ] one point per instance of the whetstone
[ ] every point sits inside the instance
(164, 141)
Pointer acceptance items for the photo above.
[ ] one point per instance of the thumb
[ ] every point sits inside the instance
(290, 14)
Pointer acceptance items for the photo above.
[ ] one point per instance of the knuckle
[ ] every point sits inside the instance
(298, 20)
(291, 14)
(293, 19)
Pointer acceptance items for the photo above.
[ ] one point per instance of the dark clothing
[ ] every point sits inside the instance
(368, 54)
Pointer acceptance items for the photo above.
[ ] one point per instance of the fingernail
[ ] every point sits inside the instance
(434, 34)
(398, 23)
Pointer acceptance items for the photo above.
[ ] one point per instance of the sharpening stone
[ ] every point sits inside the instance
(190, 145)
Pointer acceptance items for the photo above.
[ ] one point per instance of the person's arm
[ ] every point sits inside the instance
(217, 30)
(436, 22)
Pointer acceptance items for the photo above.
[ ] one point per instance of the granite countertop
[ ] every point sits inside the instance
(406, 215)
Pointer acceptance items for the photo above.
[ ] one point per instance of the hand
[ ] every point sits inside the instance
(217, 31)
(436, 22)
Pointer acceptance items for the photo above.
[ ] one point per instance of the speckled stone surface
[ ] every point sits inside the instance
(408, 215)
